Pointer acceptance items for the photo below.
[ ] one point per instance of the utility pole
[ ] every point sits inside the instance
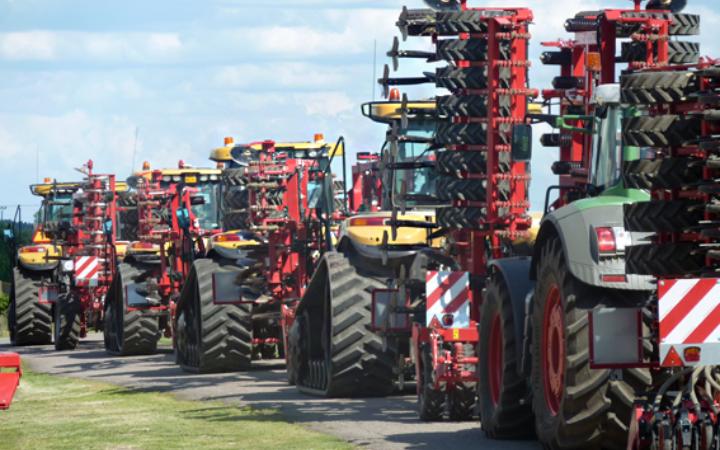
(37, 163)
(137, 131)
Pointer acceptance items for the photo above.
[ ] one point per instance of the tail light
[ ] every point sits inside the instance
(606, 240)
(33, 249)
(227, 238)
(368, 222)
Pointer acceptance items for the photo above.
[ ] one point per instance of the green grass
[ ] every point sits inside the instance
(52, 412)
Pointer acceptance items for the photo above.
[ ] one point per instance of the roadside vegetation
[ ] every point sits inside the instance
(52, 412)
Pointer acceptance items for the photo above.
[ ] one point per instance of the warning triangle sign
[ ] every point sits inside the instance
(672, 359)
(435, 323)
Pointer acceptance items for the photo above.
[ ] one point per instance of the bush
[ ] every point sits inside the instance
(4, 303)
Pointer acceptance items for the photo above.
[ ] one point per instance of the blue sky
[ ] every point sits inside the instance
(78, 77)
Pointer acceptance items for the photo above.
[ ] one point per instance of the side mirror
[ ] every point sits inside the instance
(133, 182)
(522, 143)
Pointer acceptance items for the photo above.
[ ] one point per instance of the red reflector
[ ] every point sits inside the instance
(448, 320)
(32, 250)
(613, 278)
(606, 240)
(692, 354)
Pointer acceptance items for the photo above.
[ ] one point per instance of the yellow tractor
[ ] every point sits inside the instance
(32, 294)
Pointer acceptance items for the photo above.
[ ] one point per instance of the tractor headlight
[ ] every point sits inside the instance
(312, 154)
(67, 266)
(177, 178)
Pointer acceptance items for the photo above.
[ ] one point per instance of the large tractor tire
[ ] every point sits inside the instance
(452, 23)
(462, 397)
(505, 410)
(666, 173)
(128, 332)
(29, 321)
(68, 311)
(657, 87)
(431, 399)
(469, 106)
(451, 188)
(465, 50)
(663, 216)
(457, 162)
(211, 337)
(575, 406)
(235, 203)
(681, 25)
(334, 351)
(660, 131)
(453, 78)
(671, 259)
(679, 52)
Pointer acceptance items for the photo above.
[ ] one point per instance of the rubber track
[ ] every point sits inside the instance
(225, 334)
(140, 328)
(660, 131)
(461, 133)
(513, 416)
(454, 163)
(679, 52)
(360, 365)
(657, 87)
(33, 320)
(664, 259)
(67, 323)
(681, 25)
(663, 216)
(666, 173)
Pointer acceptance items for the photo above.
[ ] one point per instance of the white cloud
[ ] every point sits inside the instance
(28, 45)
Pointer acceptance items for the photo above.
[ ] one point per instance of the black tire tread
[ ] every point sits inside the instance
(31, 321)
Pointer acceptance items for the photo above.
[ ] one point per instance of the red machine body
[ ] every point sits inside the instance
(505, 217)
(10, 374)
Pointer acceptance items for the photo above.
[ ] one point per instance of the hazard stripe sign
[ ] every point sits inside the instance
(689, 317)
(87, 270)
(448, 296)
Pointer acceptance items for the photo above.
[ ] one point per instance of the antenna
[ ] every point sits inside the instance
(132, 167)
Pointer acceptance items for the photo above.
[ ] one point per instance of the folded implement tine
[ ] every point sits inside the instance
(404, 123)
(10, 373)
(395, 53)
(386, 81)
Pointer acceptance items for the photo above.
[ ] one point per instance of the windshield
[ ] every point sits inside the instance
(55, 209)
(607, 148)
(208, 214)
(419, 183)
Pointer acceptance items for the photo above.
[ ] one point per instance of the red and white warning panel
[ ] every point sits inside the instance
(689, 311)
(87, 269)
(448, 299)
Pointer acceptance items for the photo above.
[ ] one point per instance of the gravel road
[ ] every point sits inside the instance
(374, 423)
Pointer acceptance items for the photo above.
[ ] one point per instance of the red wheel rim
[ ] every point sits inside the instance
(495, 360)
(553, 350)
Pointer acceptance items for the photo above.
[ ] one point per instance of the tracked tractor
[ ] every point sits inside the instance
(176, 212)
(278, 208)
(333, 350)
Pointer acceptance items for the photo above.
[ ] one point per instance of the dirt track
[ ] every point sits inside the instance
(376, 423)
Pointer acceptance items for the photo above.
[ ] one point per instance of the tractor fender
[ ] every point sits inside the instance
(515, 272)
(574, 228)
